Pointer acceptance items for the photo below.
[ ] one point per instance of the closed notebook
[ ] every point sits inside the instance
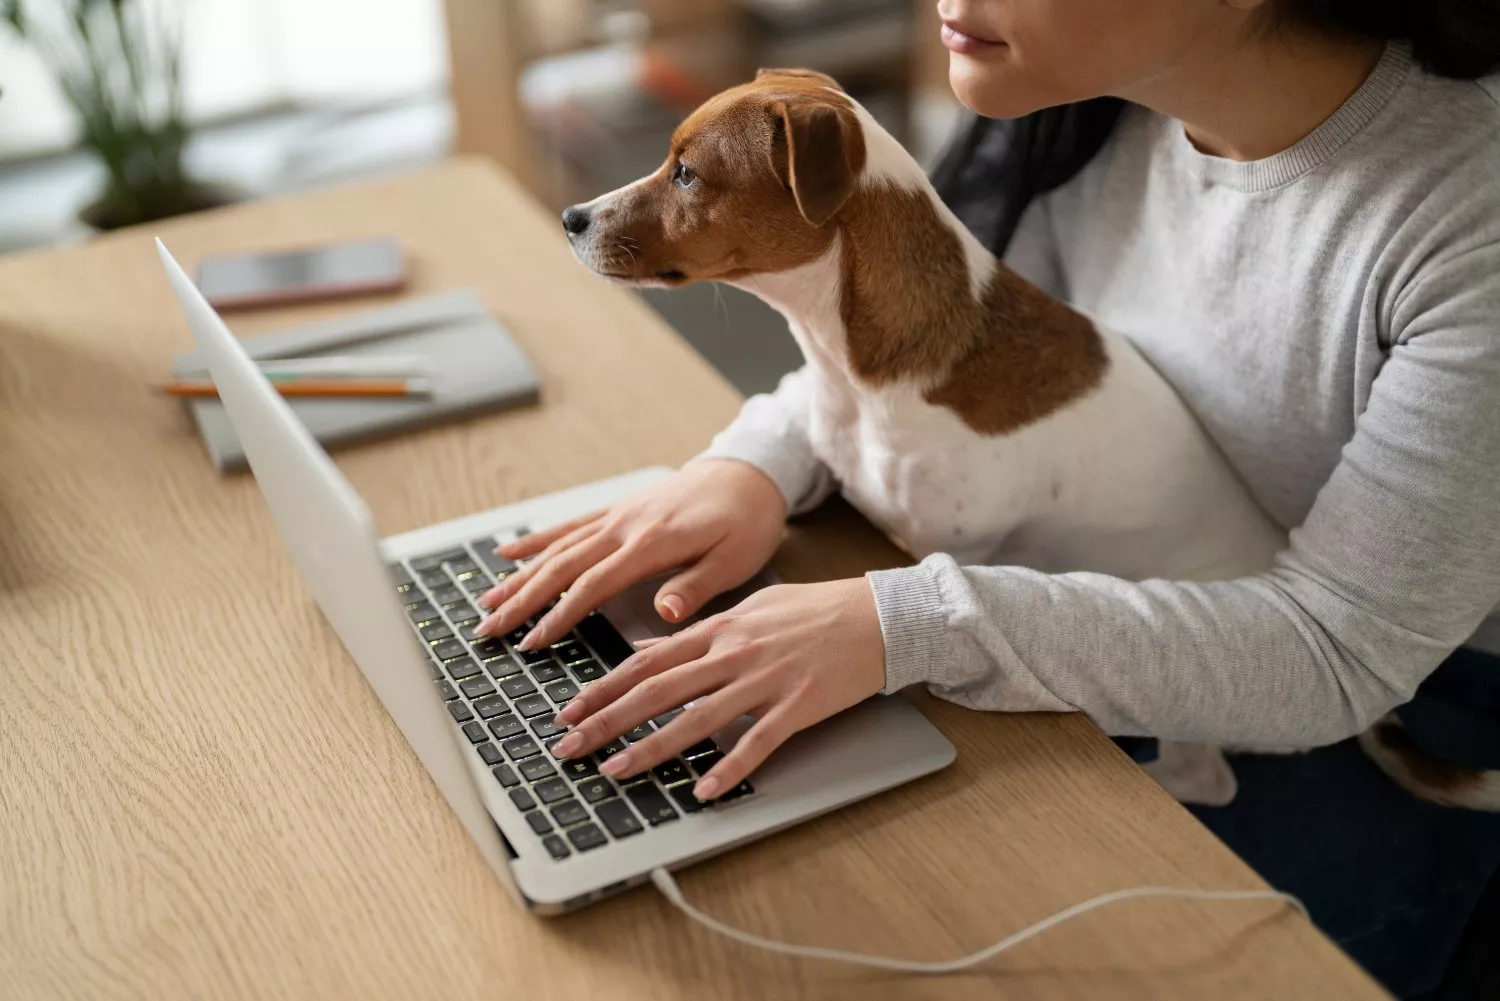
(474, 364)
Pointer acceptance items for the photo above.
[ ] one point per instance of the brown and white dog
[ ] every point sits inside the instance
(959, 407)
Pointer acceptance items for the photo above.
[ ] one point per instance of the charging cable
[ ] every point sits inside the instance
(668, 886)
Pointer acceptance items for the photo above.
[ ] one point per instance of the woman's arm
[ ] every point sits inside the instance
(1397, 563)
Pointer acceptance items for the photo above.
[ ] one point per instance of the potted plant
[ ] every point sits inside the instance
(119, 63)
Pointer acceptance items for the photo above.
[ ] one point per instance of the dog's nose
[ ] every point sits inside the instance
(575, 220)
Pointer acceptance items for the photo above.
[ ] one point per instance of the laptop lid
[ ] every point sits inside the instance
(330, 535)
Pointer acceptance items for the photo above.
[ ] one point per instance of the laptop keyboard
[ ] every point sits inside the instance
(504, 701)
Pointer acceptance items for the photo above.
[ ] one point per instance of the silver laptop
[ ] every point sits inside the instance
(479, 714)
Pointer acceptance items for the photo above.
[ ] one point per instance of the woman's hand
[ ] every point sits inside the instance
(718, 519)
(790, 655)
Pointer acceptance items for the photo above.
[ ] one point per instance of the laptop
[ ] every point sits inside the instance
(479, 714)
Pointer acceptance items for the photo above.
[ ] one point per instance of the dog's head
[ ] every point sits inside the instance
(751, 185)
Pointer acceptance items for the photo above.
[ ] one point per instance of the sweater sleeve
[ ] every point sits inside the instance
(770, 434)
(1396, 565)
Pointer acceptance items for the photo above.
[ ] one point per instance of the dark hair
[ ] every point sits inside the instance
(994, 168)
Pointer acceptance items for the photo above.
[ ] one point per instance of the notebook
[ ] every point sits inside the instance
(474, 363)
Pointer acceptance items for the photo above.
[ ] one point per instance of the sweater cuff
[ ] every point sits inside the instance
(913, 624)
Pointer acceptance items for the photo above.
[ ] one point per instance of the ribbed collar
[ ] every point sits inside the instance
(1317, 147)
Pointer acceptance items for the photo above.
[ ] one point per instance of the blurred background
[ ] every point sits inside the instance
(121, 111)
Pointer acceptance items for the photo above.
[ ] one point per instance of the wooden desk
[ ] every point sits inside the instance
(200, 797)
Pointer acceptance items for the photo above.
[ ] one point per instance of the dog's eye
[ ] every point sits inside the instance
(684, 177)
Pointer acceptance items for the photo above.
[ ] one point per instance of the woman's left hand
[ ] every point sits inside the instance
(790, 655)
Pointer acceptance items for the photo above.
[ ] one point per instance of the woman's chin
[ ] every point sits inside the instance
(987, 89)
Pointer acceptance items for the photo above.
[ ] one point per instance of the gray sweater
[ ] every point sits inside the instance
(1332, 316)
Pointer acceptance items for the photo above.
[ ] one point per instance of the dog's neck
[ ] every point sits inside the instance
(904, 290)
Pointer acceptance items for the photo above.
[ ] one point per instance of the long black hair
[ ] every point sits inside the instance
(994, 168)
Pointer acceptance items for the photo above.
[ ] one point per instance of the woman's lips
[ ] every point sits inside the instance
(955, 39)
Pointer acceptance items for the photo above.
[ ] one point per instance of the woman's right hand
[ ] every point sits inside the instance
(718, 520)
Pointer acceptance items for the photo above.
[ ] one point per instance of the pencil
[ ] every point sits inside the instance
(313, 387)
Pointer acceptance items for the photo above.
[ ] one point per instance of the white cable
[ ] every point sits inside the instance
(668, 886)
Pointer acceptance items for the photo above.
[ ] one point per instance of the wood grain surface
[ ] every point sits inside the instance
(201, 798)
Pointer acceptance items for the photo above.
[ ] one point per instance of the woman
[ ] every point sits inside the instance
(1293, 208)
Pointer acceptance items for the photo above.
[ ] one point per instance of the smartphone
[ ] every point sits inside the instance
(268, 279)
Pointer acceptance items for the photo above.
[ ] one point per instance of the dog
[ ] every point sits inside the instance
(959, 407)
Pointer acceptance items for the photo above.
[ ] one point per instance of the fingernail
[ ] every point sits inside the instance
(571, 713)
(674, 606)
(529, 641)
(489, 598)
(616, 766)
(570, 744)
(486, 624)
(706, 788)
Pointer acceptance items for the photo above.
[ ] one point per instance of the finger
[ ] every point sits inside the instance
(652, 697)
(554, 577)
(627, 565)
(721, 568)
(649, 642)
(533, 543)
(750, 751)
(514, 580)
(686, 646)
(702, 720)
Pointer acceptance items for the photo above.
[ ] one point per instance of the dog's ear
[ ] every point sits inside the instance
(822, 78)
(814, 154)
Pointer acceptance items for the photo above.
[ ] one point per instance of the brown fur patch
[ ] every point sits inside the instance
(1005, 362)
(1433, 775)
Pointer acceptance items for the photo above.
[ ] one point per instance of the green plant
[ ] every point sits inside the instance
(119, 64)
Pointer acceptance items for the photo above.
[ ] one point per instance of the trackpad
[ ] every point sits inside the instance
(634, 612)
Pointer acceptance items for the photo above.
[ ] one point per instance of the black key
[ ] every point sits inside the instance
(449, 693)
(400, 579)
(449, 649)
(502, 667)
(596, 789)
(460, 712)
(474, 732)
(702, 747)
(532, 658)
(490, 706)
(545, 674)
(587, 671)
(743, 789)
(635, 779)
(477, 584)
(533, 706)
(460, 567)
(490, 753)
(610, 750)
(546, 728)
(578, 769)
(463, 668)
(477, 687)
(551, 744)
(703, 762)
(539, 822)
(536, 769)
(489, 647)
(562, 692)
(520, 747)
(522, 799)
(505, 776)
(605, 639)
(518, 687)
(569, 812)
(639, 733)
(434, 578)
(686, 801)
(570, 653)
(551, 790)
(436, 633)
(667, 716)
(671, 772)
(421, 612)
(430, 562)
(617, 816)
(507, 726)
(466, 629)
(586, 836)
(458, 614)
(493, 561)
(556, 846)
(653, 805)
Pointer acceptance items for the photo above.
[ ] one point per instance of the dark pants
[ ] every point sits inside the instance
(1391, 879)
